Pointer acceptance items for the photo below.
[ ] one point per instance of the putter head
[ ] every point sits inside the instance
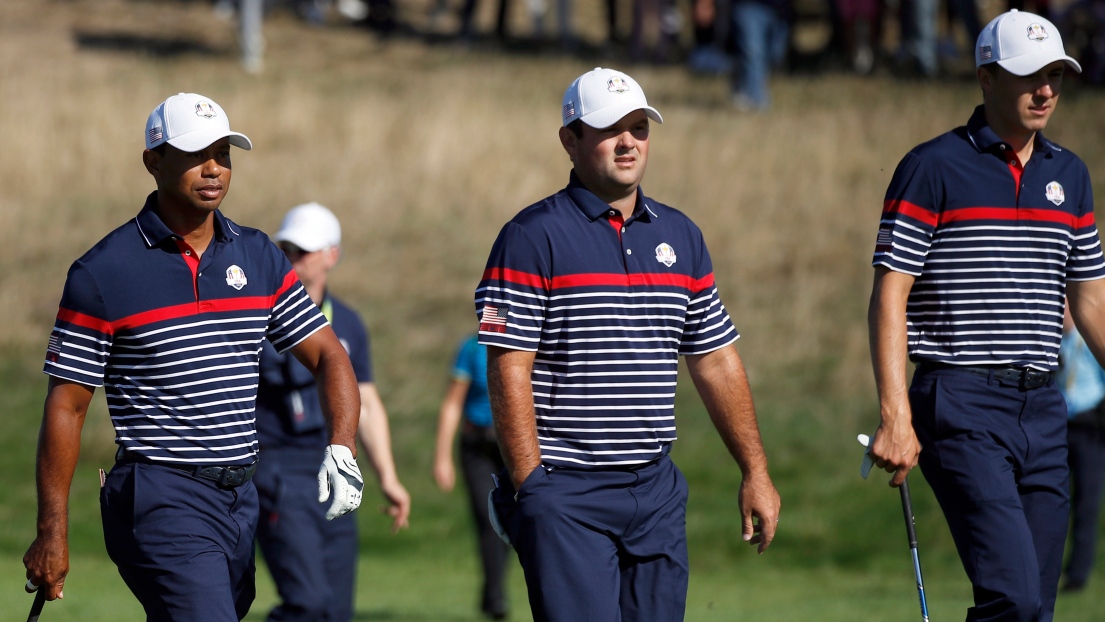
(865, 467)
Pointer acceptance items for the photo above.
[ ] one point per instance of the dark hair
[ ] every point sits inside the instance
(992, 68)
(160, 149)
(576, 127)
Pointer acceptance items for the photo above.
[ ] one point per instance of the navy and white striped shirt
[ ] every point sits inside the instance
(608, 310)
(175, 342)
(991, 258)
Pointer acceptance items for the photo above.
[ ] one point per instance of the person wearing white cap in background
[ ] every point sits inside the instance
(313, 561)
(588, 299)
(168, 313)
(983, 231)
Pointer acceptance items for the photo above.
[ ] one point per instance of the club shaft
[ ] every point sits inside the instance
(36, 606)
(911, 533)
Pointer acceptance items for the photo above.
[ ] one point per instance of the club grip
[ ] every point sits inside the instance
(907, 511)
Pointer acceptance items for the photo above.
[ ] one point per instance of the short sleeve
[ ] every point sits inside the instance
(81, 340)
(708, 325)
(513, 295)
(295, 316)
(909, 217)
(465, 363)
(1085, 262)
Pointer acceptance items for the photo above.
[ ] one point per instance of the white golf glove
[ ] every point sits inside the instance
(339, 477)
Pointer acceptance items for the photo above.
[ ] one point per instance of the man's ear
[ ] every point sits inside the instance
(152, 160)
(568, 140)
(985, 79)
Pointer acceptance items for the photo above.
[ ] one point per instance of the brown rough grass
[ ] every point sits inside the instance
(424, 151)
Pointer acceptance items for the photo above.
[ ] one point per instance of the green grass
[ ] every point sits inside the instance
(840, 554)
(423, 152)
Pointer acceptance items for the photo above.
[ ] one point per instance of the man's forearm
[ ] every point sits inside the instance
(511, 390)
(723, 386)
(375, 434)
(886, 321)
(339, 398)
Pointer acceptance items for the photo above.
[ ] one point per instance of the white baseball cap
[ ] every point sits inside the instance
(601, 97)
(311, 227)
(1022, 43)
(190, 122)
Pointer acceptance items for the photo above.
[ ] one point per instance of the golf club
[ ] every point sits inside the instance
(910, 528)
(36, 606)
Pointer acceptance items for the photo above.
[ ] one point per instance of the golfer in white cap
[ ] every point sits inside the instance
(168, 314)
(983, 231)
(588, 300)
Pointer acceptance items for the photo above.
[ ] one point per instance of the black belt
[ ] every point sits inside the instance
(1023, 377)
(223, 476)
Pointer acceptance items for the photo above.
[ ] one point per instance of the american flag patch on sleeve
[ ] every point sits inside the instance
(53, 348)
(493, 319)
(885, 240)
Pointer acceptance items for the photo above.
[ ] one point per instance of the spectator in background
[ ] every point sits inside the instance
(1082, 382)
(918, 47)
(467, 400)
(314, 561)
(761, 33)
(1085, 21)
(860, 23)
(707, 57)
(966, 13)
(656, 28)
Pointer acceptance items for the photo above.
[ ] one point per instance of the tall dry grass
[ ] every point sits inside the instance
(424, 151)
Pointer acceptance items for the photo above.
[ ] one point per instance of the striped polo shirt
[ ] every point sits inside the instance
(608, 310)
(991, 257)
(175, 342)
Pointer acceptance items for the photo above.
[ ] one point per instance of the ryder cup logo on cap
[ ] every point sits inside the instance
(190, 122)
(1022, 43)
(311, 227)
(601, 97)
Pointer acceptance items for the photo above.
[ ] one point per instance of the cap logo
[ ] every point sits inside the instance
(665, 254)
(204, 109)
(155, 134)
(617, 85)
(236, 277)
(985, 52)
(1036, 32)
(1054, 193)
(569, 110)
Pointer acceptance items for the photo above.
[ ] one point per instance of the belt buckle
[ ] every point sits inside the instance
(230, 477)
(1033, 379)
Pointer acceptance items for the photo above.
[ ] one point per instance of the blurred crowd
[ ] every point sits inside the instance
(747, 40)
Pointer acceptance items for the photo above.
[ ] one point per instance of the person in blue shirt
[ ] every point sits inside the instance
(1082, 382)
(313, 560)
(467, 406)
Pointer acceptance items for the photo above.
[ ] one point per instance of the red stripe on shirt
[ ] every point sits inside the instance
(912, 210)
(917, 212)
(1015, 214)
(599, 279)
(221, 305)
(515, 276)
(87, 321)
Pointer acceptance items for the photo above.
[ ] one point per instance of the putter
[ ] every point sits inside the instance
(36, 606)
(910, 528)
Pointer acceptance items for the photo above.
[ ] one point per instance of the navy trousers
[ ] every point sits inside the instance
(313, 561)
(995, 455)
(1087, 467)
(183, 545)
(607, 545)
(480, 460)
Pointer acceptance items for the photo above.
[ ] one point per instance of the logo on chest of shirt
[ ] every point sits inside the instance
(1054, 193)
(665, 254)
(236, 277)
